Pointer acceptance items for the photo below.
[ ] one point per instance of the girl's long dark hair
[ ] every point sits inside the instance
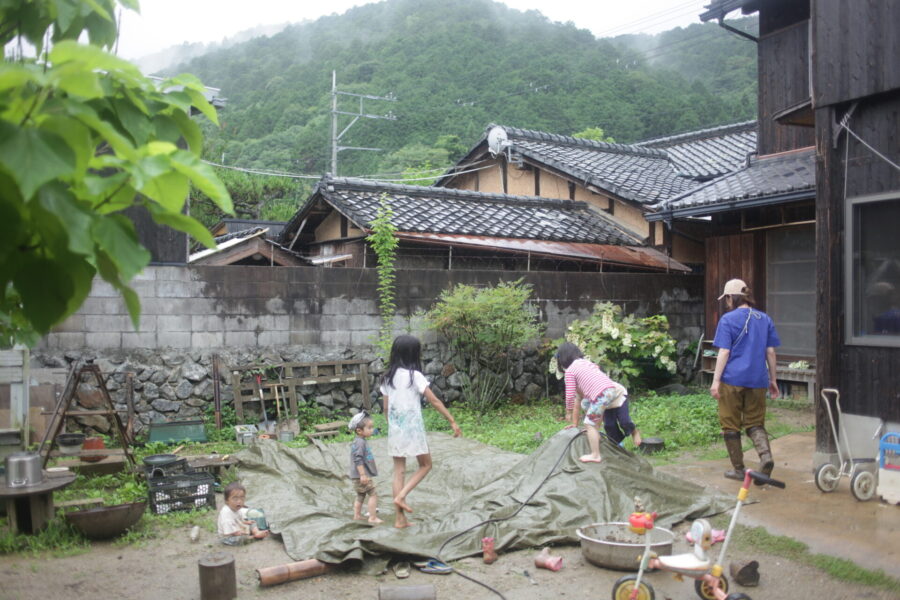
(566, 355)
(405, 354)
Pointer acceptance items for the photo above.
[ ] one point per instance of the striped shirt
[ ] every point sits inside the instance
(585, 378)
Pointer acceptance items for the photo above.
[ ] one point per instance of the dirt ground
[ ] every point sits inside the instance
(167, 568)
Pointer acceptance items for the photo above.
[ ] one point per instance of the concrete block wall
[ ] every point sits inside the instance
(202, 308)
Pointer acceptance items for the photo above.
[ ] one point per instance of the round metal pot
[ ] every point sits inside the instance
(23, 469)
(615, 546)
(70, 443)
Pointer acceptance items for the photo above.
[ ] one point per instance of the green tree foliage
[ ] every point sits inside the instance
(485, 325)
(83, 136)
(455, 67)
(594, 133)
(269, 198)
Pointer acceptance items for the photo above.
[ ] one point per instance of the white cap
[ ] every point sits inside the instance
(356, 420)
(734, 287)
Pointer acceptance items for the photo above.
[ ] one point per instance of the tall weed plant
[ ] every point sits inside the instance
(384, 243)
(632, 350)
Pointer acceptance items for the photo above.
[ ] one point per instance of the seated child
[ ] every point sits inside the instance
(362, 467)
(234, 526)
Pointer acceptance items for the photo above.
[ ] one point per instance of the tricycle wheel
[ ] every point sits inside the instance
(863, 485)
(827, 477)
(706, 591)
(738, 596)
(625, 585)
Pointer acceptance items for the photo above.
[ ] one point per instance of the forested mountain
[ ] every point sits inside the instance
(455, 66)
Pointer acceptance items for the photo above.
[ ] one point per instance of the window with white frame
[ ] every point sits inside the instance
(873, 270)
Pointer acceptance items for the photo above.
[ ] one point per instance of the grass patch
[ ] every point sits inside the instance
(757, 539)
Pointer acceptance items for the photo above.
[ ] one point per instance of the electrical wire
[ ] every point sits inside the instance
(672, 13)
(271, 173)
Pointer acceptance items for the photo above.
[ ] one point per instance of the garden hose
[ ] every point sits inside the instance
(498, 520)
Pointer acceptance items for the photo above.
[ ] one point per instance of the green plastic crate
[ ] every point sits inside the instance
(173, 432)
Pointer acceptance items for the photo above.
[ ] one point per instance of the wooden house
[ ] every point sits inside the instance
(806, 222)
(444, 228)
(621, 181)
(763, 214)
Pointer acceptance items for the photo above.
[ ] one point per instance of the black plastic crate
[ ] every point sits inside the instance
(186, 491)
(175, 467)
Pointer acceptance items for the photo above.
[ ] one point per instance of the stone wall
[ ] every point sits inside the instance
(287, 314)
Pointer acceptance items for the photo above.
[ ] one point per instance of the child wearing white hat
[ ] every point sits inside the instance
(362, 467)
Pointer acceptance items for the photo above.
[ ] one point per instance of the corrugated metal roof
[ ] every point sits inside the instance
(631, 256)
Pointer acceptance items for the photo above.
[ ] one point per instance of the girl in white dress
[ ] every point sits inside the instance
(402, 387)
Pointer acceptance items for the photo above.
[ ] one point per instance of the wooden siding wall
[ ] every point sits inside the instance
(740, 256)
(783, 82)
(867, 376)
(858, 49)
(166, 246)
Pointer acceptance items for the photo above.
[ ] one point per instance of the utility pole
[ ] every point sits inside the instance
(335, 136)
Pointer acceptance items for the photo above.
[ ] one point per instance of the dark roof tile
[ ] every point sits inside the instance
(464, 212)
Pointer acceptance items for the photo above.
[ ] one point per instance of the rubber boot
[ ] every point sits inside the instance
(735, 453)
(761, 442)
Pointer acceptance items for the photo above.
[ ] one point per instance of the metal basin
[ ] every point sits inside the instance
(106, 521)
(615, 546)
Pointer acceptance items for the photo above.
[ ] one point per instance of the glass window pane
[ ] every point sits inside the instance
(791, 288)
(876, 269)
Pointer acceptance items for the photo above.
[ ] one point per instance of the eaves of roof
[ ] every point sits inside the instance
(631, 256)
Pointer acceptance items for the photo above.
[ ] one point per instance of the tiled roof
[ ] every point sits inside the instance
(640, 174)
(708, 153)
(646, 173)
(452, 211)
(239, 234)
(766, 180)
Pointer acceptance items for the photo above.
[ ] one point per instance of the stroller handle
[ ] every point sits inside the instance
(764, 479)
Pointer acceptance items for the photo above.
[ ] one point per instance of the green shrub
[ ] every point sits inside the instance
(631, 350)
(484, 325)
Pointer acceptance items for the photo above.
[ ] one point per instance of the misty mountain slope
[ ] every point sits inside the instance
(454, 67)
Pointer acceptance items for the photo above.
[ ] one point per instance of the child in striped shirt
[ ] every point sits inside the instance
(601, 398)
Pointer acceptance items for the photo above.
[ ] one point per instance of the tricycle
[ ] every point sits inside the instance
(710, 583)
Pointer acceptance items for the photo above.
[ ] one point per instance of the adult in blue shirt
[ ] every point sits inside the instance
(745, 369)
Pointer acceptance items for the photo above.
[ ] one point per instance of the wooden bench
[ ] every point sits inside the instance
(295, 375)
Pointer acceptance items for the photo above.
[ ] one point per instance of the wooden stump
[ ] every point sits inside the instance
(217, 577)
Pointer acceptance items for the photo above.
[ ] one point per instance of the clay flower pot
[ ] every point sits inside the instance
(93, 443)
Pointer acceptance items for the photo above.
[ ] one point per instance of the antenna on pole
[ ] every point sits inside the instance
(335, 136)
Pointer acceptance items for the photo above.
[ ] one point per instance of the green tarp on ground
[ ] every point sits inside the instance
(308, 499)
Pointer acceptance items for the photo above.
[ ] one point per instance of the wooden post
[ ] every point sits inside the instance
(364, 378)
(217, 576)
(238, 399)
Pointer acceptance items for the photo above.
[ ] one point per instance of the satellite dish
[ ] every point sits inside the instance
(497, 140)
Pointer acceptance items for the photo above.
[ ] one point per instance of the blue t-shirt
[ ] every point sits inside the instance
(746, 332)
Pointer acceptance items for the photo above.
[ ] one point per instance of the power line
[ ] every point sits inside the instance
(670, 14)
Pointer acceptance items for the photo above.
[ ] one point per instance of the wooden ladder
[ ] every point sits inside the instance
(64, 410)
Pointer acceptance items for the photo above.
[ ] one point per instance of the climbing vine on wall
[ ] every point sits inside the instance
(384, 244)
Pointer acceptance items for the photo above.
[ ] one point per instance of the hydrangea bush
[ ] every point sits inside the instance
(631, 350)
